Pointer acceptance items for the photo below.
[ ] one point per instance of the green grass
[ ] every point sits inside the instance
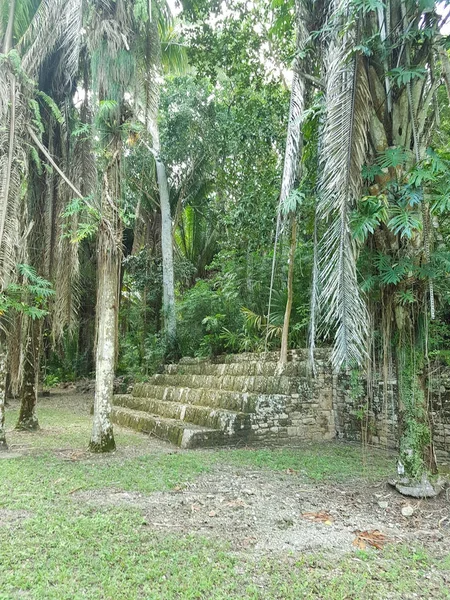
(69, 550)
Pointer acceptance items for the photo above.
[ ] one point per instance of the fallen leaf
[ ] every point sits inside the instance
(372, 538)
(195, 507)
(359, 543)
(212, 513)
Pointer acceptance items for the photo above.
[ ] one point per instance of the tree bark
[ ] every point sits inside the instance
(109, 255)
(3, 372)
(28, 420)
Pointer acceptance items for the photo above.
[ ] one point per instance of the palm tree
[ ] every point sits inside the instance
(111, 31)
(32, 31)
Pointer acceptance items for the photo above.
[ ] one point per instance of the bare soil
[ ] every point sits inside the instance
(264, 512)
(14, 518)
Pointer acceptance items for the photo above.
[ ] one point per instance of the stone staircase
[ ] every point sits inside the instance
(231, 400)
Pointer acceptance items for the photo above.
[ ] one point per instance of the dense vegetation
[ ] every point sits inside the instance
(240, 177)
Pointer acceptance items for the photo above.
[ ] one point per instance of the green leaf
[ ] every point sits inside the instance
(392, 157)
(402, 76)
(369, 172)
(368, 216)
(405, 297)
(405, 222)
(292, 202)
(366, 6)
(391, 272)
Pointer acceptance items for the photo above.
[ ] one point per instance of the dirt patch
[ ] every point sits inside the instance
(11, 518)
(271, 512)
(6, 454)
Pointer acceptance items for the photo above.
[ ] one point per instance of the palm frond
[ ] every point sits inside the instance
(296, 109)
(343, 150)
(13, 165)
(57, 24)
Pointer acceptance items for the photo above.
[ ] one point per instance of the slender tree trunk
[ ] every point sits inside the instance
(155, 70)
(290, 295)
(170, 324)
(3, 372)
(109, 257)
(7, 44)
(28, 420)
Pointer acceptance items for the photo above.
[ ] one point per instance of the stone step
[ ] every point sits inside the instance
(249, 368)
(299, 355)
(215, 398)
(180, 433)
(226, 420)
(239, 383)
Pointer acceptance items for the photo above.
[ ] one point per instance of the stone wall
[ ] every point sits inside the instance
(372, 414)
(307, 413)
(326, 407)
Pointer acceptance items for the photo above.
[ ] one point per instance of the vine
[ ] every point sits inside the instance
(416, 433)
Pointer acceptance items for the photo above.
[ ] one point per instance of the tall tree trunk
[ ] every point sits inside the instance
(109, 257)
(28, 420)
(151, 116)
(290, 293)
(3, 372)
(170, 324)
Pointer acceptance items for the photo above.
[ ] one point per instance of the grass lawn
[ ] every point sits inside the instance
(55, 548)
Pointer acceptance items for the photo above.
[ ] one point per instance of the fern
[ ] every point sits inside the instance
(34, 154)
(34, 106)
(52, 106)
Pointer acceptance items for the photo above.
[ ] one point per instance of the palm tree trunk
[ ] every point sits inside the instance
(3, 372)
(290, 294)
(28, 420)
(109, 259)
